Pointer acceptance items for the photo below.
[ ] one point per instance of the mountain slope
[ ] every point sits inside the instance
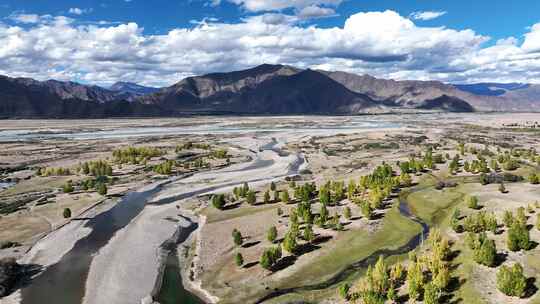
(22, 97)
(132, 88)
(267, 89)
(406, 94)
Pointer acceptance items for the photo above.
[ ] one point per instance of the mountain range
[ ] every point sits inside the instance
(265, 89)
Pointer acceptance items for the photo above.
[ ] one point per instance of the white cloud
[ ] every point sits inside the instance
(315, 12)
(384, 44)
(79, 11)
(25, 18)
(532, 39)
(427, 15)
(273, 5)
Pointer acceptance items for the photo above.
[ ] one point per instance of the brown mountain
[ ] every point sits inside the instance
(265, 89)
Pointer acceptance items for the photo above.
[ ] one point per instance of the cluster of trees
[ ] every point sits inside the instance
(480, 222)
(99, 184)
(136, 155)
(165, 168)
(96, 168)
(220, 153)
(381, 282)
(241, 192)
(53, 172)
(477, 166)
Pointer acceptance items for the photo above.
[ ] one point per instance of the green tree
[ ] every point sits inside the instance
(272, 234)
(218, 201)
(237, 238)
(472, 202)
(67, 213)
(367, 211)
(431, 294)
(289, 242)
(511, 281)
(533, 179)
(266, 197)
(68, 187)
(347, 213)
(518, 237)
(484, 180)
(251, 198)
(239, 259)
(309, 236)
(285, 196)
(486, 253)
(102, 189)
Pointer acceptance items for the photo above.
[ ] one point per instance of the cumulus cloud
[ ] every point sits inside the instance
(384, 44)
(427, 15)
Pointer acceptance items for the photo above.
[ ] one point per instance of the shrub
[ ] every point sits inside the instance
(511, 281)
(486, 253)
(272, 234)
(218, 201)
(67, 213)
(518, 237)
(239, 259)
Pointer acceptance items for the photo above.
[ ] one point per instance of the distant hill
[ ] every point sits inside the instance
(491, 88)
(132, 88)
(265, 89)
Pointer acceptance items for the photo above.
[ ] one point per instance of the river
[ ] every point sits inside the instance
(66, 281)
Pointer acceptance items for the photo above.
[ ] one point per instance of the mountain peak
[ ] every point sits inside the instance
(132, 88)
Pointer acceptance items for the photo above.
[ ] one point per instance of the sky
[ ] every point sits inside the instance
(160, 42)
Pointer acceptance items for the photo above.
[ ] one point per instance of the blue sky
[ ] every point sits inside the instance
(159, 42)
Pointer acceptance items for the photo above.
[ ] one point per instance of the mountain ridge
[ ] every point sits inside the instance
(264, 89)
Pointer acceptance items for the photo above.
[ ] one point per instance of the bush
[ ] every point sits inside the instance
(486, 253)
(239, 259)
(272, 234)
(68, 187)
(102, 189)
(511, 281)
(472, 202)
(67, 213)
(270, 257)
(237, 237)
(518, 237)
(218, 201)
(251, 198)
